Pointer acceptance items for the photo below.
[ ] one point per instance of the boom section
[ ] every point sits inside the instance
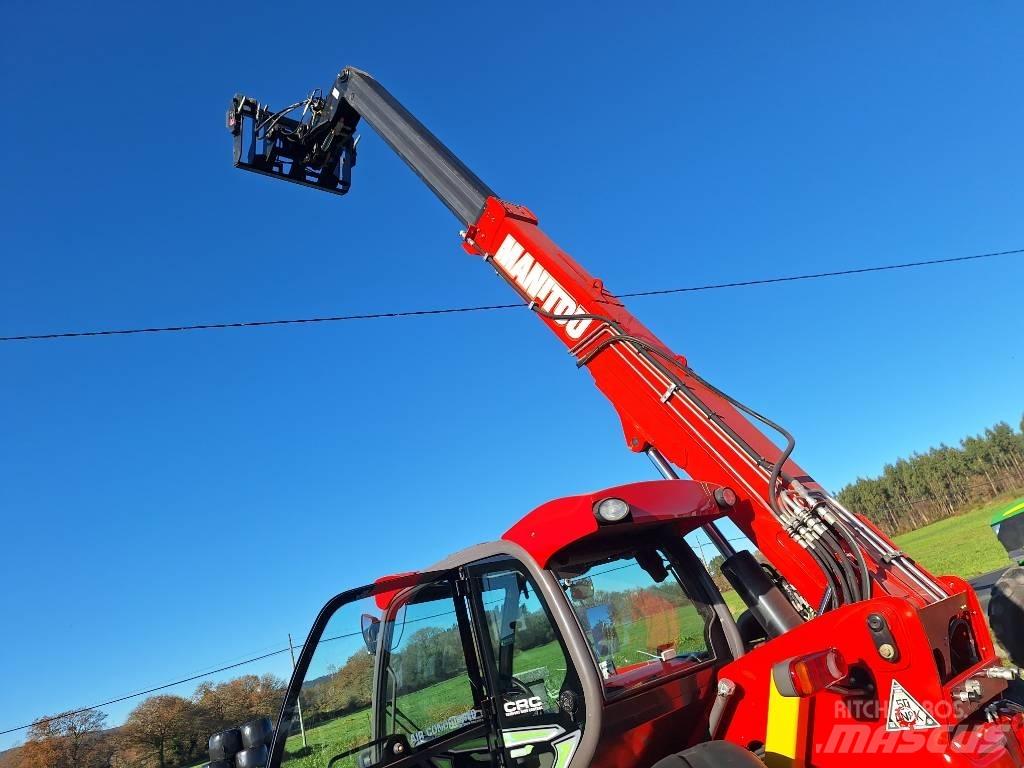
(663, 404)
(667, 410)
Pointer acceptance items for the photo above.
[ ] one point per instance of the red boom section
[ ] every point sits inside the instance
(654, 410)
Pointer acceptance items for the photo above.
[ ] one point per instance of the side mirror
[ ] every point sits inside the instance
(581, 589)
(370, 626)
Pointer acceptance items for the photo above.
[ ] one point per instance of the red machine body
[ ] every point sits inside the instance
(856, 607)
(838, 726)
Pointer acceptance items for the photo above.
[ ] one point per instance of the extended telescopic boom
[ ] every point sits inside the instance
(667, 410)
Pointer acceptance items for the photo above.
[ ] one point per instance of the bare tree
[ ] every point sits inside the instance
(66, 740)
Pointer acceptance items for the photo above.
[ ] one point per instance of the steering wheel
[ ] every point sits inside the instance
(520, 687)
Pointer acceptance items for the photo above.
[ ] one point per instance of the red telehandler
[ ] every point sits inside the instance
(590, 634)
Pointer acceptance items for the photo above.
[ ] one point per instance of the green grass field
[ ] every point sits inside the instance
(734, 602)
(962, 546)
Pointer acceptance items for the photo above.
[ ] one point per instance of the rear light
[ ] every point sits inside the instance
(807, 675)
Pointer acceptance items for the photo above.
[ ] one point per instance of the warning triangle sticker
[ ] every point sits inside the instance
(906, 713)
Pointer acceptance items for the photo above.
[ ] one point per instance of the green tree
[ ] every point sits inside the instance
(912, 492)
(160, 723)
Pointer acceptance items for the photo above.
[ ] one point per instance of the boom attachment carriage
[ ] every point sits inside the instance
(317, 149)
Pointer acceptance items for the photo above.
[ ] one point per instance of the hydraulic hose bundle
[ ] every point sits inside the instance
(834, 538)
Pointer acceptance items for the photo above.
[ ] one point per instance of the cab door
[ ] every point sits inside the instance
(390, 675)
(537, 694)
(429, 680)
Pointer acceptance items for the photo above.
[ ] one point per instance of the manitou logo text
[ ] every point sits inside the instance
(540, 286)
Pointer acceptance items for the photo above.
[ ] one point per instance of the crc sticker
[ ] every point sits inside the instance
(906, 712)
(531, 705)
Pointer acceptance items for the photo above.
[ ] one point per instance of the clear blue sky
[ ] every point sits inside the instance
(174, 502)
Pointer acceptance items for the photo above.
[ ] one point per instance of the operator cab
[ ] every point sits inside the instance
(571, 630)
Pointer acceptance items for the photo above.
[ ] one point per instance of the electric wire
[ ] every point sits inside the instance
(146, 692)
(495, 307)
(836, 574)
(208, 673)
(819, 275)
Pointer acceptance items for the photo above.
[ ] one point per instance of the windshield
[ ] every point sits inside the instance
(638, 617)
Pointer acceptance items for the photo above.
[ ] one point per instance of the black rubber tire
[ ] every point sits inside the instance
(1006, 613)
(220, 764)
(257, 732)
(225, 745)
(711, 754)
(252, 758)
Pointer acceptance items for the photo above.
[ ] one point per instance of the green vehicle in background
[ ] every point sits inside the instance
(1006, 608)
(1008, 523)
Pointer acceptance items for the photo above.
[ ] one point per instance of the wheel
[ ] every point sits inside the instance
(257, 732)
(252, 758)
(711, 754)
(220, 764)
(225, 745)
(1006, 613)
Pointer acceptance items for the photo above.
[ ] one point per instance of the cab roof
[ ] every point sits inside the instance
(555, 525)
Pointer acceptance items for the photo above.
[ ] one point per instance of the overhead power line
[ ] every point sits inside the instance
(148, 691)
(494, 307)
(211, 672)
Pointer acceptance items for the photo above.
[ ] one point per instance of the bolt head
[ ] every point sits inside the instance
(887, 651)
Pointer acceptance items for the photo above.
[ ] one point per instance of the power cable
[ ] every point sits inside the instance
(206, 674)
(494, 307)
(137, 694)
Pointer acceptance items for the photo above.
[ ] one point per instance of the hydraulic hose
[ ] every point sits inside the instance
(835, 576)
(835, 597)
(850, 577)
(862, 566)
(838, 578)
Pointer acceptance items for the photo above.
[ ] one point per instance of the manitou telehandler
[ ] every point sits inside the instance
(590, 634)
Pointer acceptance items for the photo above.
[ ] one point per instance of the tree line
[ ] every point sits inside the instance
(163, 731)
(945, 481)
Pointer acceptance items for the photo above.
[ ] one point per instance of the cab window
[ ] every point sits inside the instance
(528, 657)
(638, 617)
(539, 698)
(427, 692)
(392, 673)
